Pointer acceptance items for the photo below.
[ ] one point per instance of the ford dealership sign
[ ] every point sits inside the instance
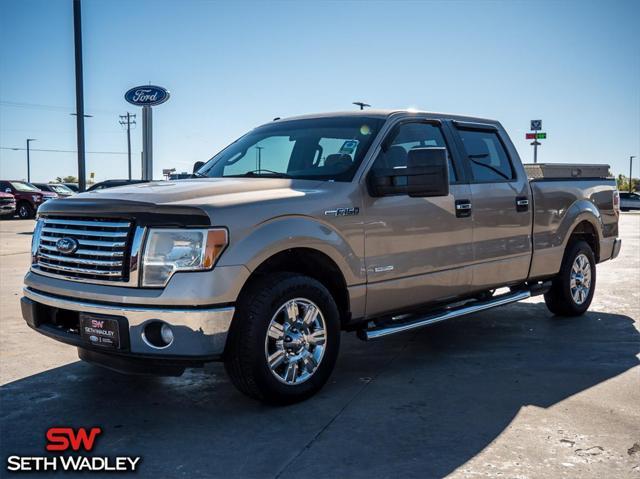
(147, 95)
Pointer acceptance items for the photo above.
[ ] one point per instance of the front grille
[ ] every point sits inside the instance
(103, 248)
(7, 201)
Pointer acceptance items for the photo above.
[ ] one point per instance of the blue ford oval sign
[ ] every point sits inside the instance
(146, 95)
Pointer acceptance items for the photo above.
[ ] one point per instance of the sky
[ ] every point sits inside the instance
(231, 66)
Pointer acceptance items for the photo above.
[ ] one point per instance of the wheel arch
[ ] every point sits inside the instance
(309, 262)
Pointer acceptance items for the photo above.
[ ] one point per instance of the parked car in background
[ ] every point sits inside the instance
(7, 205)
(72, 186)
(180, 176)
(113, 183)
(58, 188)
(629, 201)
(28, 198)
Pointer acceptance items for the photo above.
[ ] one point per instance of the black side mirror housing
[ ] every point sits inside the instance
(426, 174)
(197, 165)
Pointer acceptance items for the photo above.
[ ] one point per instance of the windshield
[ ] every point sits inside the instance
(19, 186)
(320, 148)
(61, 189)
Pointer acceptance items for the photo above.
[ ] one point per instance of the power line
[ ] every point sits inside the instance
(65, 151)
(40, 106)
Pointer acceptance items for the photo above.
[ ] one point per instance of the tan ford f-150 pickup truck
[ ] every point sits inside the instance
(377, 222)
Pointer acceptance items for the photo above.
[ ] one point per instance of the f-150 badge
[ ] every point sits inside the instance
(342, 212)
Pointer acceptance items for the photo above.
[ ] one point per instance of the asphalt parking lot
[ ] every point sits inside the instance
(511, 392)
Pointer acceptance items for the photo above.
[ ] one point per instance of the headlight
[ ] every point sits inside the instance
(169, 250)
(35, 198)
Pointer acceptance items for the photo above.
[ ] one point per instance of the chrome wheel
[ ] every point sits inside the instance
(580, 279)
(295, 341)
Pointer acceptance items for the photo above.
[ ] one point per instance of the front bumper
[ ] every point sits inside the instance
(9, 209)
(199, 333)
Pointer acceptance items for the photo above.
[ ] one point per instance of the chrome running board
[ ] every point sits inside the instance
(420, 322)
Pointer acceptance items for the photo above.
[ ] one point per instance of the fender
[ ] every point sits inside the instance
(549, 246)
(579, 211)
(286, 232)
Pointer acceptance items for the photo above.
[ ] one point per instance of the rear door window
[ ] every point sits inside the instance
(487, 156)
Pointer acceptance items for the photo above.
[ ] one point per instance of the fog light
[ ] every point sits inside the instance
(157, 334)
(166, 333)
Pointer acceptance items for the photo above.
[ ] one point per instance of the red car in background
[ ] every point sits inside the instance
(7, 205)
(28, 197)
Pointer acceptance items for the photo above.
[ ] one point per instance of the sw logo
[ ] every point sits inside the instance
(65, 438)
(97, 324)
(70, 440)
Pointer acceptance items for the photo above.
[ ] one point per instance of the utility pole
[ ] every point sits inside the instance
(77, 36)
(259, 158)
(29, 140)
(361, 104)
(630, 172)
(128, 120)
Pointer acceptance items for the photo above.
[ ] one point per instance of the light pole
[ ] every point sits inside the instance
(29, 140)
(630, 172)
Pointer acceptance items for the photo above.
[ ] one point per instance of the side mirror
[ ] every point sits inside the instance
(197, 165)
(426, 174)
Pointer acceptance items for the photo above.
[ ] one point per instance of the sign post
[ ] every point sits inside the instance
(536, 126)
(146, 97)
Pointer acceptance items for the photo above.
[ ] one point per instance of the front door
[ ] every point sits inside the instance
(418, 250)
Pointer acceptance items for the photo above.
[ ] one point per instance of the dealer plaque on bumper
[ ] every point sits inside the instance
(100, 331)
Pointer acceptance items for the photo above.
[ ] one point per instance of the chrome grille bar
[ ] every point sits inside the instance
(85, 242)
(88, 252)
(70, 232)
(83, 261)
(94, 224)
(70, 269)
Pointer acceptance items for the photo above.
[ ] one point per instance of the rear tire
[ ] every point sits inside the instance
(281, 350)
(25, 211)
(572, 290)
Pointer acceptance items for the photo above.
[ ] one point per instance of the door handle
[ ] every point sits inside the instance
(522, 203)
(463, 208)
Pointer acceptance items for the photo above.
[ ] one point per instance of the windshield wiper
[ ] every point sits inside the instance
(275, 174)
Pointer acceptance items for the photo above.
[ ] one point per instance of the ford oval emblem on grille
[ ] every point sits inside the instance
(67, 245)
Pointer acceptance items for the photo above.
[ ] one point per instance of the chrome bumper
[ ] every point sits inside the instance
(198, 332)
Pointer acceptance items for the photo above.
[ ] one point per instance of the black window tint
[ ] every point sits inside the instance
(489, 160)
(407, 137)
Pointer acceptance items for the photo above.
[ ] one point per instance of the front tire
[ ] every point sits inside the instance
(284, 339)
(572, 290)
(25, 211)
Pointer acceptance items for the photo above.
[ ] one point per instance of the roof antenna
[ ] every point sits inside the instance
(361, 104)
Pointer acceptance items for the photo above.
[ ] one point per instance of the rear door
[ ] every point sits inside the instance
(418, 250)
(501, 198)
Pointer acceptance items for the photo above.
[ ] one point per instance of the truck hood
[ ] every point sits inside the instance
(213, 192)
